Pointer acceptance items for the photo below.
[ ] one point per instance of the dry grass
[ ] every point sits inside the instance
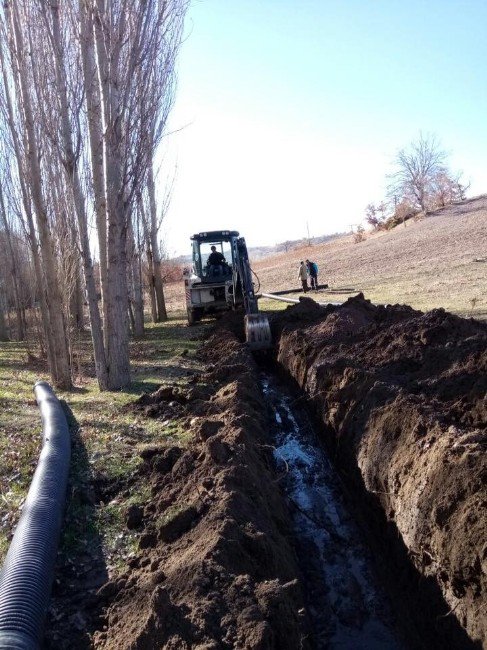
(427, 264)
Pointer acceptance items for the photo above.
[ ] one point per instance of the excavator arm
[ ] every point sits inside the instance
(257, 329)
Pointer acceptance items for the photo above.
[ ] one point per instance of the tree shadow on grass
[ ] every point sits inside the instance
(77, 390)
(75, 609)
(142, 386)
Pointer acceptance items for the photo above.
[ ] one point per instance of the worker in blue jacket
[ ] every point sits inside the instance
(313, 274)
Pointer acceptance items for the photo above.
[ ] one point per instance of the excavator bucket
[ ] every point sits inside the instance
(258, 332)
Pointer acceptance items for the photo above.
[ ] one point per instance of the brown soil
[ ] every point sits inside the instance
(215, 567)
(402, 396)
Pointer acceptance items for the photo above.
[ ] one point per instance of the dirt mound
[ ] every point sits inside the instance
(215, 568)
(402, 396)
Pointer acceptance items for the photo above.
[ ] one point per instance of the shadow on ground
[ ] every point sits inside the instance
(81, 568)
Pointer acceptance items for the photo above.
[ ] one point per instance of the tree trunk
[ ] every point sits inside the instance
(61, 372)
(131, 316)
(26, 201)
(138, 300)
(55, 331)
(156, 255)
(3, 326)
(77, 303)
(13, 268)
(72, 176)
(116, 329)
(150, 264)
(9, 322)
(152, 289)
(23, 321)
(136, 287)
(95, 128)
(117, 294)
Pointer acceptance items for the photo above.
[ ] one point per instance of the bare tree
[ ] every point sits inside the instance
(403, 211)
(157, 105)
(4, 336)
(149, 261)
(95, 128)
(13, 267)
(118, 34)
(151, 225)
(153, 228)
(12, 127)
(136, 311)
(69, 152)
(359, 234)
(22, 65)
(418, 168)
(108, 72)
(371, 215)
(447, 189)
(131, 42)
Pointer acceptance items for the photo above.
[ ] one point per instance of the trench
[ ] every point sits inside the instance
(346, 606)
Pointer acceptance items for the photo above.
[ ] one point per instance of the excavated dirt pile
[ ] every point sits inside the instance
(402, 397)
(215, 568)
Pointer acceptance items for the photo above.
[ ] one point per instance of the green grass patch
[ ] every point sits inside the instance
(106, 433)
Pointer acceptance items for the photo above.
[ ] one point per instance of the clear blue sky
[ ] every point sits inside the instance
(293, 110)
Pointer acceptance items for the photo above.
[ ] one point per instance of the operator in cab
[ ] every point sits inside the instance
(215, 258)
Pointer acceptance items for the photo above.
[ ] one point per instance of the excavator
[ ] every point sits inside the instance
(220, 280)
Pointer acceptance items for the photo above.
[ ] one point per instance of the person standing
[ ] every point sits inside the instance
(313, 274)
(303, 276)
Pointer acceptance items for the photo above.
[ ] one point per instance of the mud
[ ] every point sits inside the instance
(215, 567)
(346, 605)
(401, 397)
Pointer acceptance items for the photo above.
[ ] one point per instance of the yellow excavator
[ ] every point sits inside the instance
(221, 280)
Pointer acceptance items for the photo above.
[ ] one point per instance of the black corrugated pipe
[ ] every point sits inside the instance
(28, 570)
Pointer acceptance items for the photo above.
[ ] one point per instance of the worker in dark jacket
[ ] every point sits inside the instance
(313, 274)
(215, 257)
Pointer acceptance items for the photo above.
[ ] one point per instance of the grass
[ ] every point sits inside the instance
(19, 434)
(106, 436)
(171, 513)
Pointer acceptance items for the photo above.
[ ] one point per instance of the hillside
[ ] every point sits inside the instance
(430, 263)
(260, 252)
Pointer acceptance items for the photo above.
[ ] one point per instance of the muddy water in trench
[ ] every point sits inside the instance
(346, 607)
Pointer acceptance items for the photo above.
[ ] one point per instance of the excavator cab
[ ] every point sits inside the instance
(221, 280)
(212, 260)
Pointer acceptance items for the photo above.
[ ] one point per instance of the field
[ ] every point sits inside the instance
(437, 261)
(429, 263)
